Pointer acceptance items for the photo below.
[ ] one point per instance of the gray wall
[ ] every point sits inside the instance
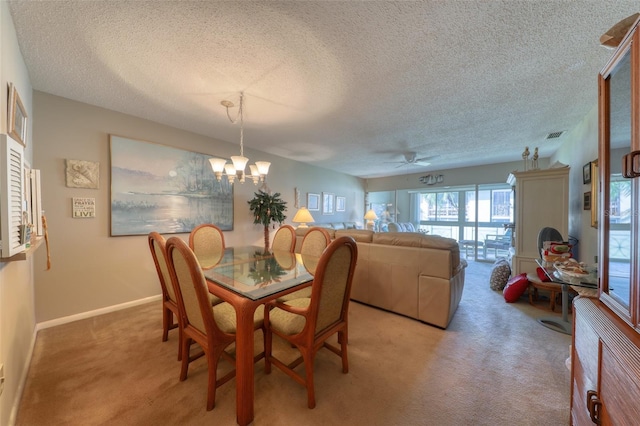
(93, 271)
(17, 318)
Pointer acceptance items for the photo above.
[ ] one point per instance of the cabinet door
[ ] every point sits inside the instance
(619, 121)
(619, 387)
(584, 360)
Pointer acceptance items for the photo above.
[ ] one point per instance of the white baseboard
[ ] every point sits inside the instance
(96, 312)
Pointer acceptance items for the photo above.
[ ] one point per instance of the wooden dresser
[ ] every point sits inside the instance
(605, 366)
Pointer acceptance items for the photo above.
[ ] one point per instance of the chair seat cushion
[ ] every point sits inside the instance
(286, 322)
(225, 317)
(305, 292)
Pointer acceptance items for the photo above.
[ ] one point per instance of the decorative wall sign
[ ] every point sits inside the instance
(431, 179)
(84, 208)
(83, 174)
(164, 189)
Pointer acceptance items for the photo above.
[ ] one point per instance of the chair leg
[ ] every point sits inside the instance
(167, 319)
(179, 343)
(268, 341)
(212, 363)
(342, 337)
(308, 367)
(186, 344)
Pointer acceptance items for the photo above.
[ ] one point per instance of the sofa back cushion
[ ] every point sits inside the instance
(417, 239)
(360, 235)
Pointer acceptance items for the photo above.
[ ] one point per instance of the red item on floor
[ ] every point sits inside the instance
(516, 286)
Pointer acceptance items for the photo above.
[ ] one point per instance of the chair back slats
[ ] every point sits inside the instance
(207, 242)
(315, 241)
(285, 239)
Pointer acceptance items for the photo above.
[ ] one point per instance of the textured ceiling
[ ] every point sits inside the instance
(351, 86)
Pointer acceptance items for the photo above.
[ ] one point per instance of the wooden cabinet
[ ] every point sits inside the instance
(606, 340)
(605, 367)
(541, 200)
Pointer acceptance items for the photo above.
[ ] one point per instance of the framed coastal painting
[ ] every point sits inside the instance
(165, 189)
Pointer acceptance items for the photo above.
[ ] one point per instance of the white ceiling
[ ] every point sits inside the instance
(347, 85)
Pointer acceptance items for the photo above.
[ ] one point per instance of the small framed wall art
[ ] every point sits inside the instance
(328, 203)
(313, 202)
(341, 204)
(586, 173)
(587, 200)
(16, 117)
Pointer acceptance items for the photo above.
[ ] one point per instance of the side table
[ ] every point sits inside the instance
(563, 325)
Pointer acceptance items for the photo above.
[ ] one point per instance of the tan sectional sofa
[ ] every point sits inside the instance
(416, 275)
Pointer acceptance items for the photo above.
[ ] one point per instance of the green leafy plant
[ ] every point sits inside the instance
(267, 209)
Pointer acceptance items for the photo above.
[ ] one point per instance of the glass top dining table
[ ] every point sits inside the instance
(253, 273)
(246, 278)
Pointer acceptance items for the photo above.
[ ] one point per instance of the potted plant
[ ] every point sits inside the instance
(267, 209)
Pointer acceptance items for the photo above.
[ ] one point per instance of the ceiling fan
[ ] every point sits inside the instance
(412, 159)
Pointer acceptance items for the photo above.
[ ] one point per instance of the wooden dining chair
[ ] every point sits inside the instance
(285, 239)
(213, 328)
(157, 246)
(315, 241)
(313, 244)
(207, 242)
(307, 323)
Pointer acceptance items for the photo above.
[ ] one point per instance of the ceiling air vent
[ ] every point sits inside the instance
(554, 135)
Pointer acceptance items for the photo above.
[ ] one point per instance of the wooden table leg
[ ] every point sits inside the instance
(244, 361)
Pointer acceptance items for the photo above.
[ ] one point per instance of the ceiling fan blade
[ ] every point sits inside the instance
(425, 159)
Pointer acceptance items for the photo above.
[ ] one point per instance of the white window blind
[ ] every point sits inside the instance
(11, 195)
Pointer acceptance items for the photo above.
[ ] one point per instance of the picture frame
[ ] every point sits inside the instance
(341, 204)
(16, 117)
(587, 200)
(586, 173)
(165, 189)
(328, 203)
(313, 202)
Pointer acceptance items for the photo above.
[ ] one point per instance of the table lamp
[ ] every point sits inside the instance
(303, 217)
(370, 216)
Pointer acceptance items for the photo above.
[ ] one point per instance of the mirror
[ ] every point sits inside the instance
(595, 187)
(617, 191)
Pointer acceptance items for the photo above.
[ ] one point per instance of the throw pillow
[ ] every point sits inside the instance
(542, 275)
(499, 275)
(515, 288)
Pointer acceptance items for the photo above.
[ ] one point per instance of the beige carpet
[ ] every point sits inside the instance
(494, 365)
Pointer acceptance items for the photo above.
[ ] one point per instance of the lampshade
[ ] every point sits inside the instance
(263, 167)
(303, 216)
(239, 162)
(217, 164)
(371, 215)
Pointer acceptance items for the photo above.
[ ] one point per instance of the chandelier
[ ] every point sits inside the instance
(235, 170)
